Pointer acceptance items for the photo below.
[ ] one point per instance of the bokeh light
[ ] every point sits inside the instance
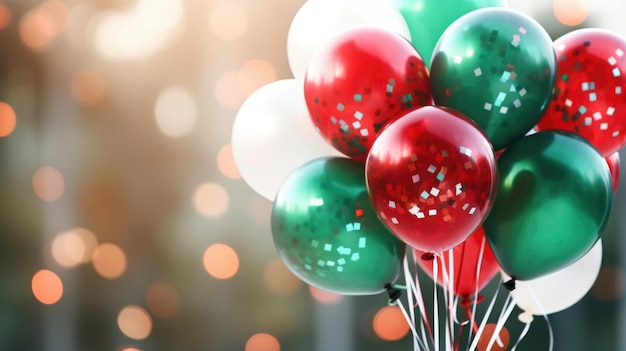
(134, 322)
(88, 86)
(8, 119)
(228, 92)
(5, 16)
(498, 345)
(109, 261)
(254, 74)
(176, 112)
(324, 297)
(221, 261)
(210, 200)
(73, 247)
(68, 249)
(130, 349)
(571, 12)
(136, 33)
(609, 285)
(48, 184)
(262, 342)
(389, 323)
(226, 162)
(228, 21)
(162, 300)
(47, 287)
(279, 279)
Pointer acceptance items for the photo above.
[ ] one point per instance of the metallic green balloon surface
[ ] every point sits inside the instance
(428, 19)
(554, 200)
(327, 233)
(498, 67)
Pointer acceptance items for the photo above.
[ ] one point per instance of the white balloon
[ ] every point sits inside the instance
(319, 20)
(273, 135)
(559, 290)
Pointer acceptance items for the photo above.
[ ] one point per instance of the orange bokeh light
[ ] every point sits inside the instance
(8, 119)
(162, 300)
(221, 261)
(325, 297)
(279, 279)
(109, 261)
(254, 74)
(389, 323)
(262, 342)
(48, 184)
(5, 16)
(228, 92)
(134, 322)
(570, 12)
(88, 86)
(226, 162)
(47, 287)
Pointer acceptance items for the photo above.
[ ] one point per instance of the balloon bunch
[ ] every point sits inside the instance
(496, 153)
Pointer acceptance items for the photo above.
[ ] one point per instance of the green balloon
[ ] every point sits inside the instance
(498, 67)
(428, 19)
(553, 201)
(327, 233)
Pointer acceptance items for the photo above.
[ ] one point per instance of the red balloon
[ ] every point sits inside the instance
(614, 163)
(465, 259)
(431, 176)
(590, 92)
(360, 80)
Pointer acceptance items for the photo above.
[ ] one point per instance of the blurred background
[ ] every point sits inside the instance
(124, 224)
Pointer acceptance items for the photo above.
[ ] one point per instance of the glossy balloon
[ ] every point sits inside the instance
(473, 265)
(326, 232)
(274, 122)
(318, 20)
(614, 164)
(590, 92)
(560, 290)
(554, 199)
(360, 80)
(498, 67)
(428, 19)
(431, 175)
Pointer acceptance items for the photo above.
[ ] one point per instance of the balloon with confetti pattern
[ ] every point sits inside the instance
(590, 92)
(327, 233)
(431, 175)
(497, 66)
(358, 81)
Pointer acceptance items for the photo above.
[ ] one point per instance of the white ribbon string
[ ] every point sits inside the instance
(522, 335)
(484, 320)
(435, 306)
(545, 316)
(507, 309)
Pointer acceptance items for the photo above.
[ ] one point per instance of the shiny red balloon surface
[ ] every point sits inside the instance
(431, 175)
(473, 265)
(590, 92)
(614, 164)
(360, 80)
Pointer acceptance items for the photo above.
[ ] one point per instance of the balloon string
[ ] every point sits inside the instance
(522, 335)
(503, 318)
(484, 320)
(475, 297)
(470, 317)
(447, 298)
(417, 289)
(435, 305)
(416, 341)
(458, 339)
(545, 316)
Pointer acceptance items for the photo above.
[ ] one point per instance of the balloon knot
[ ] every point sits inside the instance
(428, 256)
(510, 284)
(394, 293)
(467, 300)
